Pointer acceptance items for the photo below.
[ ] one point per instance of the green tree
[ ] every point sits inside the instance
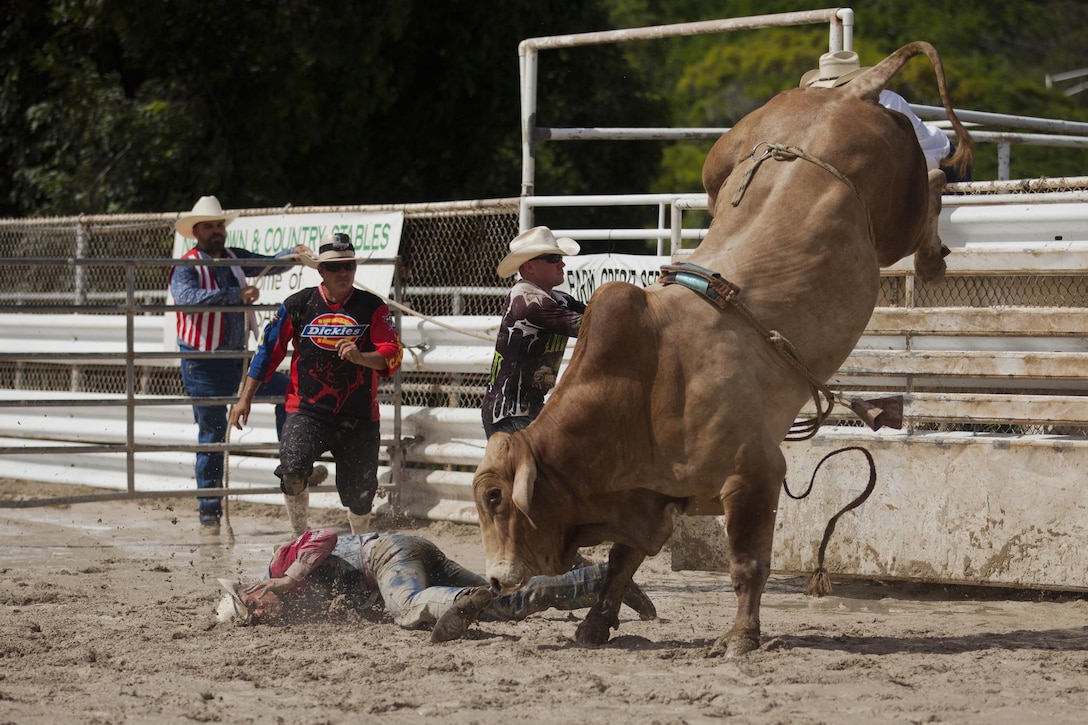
(996, 57)
(109, 105)
(118, 106)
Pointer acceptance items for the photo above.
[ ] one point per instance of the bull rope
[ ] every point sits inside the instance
(778, 152)
(723, 294)
(819, 584)
(405, 308)
(804, 429)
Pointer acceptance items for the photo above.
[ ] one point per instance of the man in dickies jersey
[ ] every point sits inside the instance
(343, 338)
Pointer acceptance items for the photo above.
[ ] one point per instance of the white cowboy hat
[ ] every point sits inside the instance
(206, 209)
(335, 247)
(232, 610)
(533, 243)
(835, 69)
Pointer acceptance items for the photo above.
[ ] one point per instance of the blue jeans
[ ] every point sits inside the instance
(219, 379)
(419, 583)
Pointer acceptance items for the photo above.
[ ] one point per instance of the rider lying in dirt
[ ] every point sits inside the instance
(418, 584)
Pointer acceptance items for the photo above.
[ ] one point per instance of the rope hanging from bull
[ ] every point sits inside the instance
(723, 293)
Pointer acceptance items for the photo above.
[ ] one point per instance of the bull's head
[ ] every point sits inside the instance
(520, 541)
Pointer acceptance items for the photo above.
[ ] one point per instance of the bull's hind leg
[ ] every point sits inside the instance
(929, 258)
(750, 502)
(623, 561)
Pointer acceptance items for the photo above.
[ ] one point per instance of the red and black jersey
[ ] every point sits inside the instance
(322, 384)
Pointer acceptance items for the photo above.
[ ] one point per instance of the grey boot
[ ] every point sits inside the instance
(575, 589)
(298, 509)
(466, 609)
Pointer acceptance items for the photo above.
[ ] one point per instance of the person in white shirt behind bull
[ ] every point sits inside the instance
(841, 66)
(537, 322)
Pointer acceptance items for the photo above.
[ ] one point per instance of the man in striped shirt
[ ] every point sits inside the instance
(217, 331)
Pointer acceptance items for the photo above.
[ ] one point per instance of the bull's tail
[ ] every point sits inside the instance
(819, 584)
(869, 84)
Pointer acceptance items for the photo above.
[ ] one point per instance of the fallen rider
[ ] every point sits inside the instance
(418, 584)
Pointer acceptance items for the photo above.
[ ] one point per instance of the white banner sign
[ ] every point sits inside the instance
(376, 237)
(584, 274)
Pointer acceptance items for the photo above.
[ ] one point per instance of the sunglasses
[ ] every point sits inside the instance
(338, 266)
(550, 258)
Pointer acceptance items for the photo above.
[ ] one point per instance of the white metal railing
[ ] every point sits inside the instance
(841, 37)
(1037, 355)
(1052, 78)
(1053, 132)
(67, 334)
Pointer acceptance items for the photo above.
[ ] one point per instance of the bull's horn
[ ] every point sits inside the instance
(880, 412)
(524, 478)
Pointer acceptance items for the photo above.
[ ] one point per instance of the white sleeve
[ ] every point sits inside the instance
(935, 145)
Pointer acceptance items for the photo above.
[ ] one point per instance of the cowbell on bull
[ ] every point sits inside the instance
(672, 404)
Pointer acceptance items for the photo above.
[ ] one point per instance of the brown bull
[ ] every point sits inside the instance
(671, 404)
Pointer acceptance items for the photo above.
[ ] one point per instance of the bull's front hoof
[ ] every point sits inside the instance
(593, 630)
(734, 645)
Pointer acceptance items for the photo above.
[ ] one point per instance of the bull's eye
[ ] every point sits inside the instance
(494, 498)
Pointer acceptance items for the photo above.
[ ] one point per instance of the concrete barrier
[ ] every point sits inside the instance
(947, 507)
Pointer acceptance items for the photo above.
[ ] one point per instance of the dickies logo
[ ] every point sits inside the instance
(328, 329)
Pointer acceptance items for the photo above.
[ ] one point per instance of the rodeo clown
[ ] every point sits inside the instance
(343, 339)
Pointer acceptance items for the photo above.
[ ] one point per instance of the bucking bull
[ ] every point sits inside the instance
(674, 404)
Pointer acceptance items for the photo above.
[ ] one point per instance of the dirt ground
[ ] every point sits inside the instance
(108, 617)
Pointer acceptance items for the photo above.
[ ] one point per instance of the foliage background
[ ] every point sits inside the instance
(111, 106)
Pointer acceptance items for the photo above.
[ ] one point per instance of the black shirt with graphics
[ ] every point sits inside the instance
(529, 349)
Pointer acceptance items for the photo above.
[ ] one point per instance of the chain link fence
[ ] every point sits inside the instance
(448, 257)
(1032, 290)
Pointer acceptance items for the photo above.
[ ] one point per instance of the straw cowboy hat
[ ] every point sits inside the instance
(835, 69)
(335, 247)
(206, 209)
(533, 243)
(231, 607)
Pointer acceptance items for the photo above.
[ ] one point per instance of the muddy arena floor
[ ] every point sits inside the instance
(108, 617)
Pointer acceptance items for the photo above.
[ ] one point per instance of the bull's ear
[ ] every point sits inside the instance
(524, 478)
